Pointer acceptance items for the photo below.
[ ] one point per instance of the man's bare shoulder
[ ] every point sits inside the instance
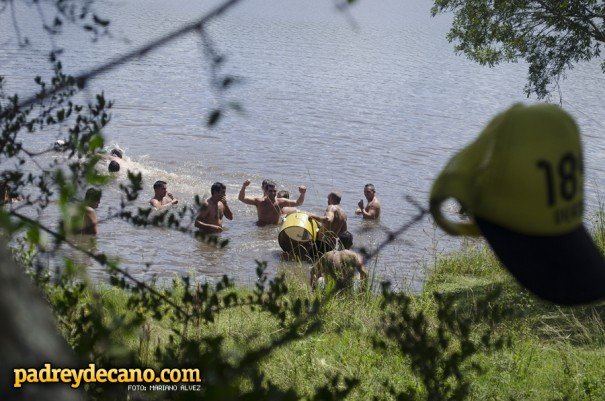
(204, 205)
(257, 199)
(330, 257)
(332, 208)
(349, 257)
(350, 254)
(340, 211)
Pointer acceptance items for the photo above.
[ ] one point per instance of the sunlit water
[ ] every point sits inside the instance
(332, 101)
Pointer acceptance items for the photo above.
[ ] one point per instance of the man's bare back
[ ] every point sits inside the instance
(343, 266)
(334, 221)
(338, 223)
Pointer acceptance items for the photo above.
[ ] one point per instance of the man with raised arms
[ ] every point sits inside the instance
(210, 217)
(372, 210)
(268, 206)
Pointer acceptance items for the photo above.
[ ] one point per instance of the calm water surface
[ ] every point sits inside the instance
(331, 102)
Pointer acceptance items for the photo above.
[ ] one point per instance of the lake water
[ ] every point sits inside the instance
(332, 101)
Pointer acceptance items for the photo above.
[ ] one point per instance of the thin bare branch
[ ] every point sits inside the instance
(83, 78)
(395, 234)
(15, 23)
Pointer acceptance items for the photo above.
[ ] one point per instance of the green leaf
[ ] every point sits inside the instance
(33, 235)
(96, 142)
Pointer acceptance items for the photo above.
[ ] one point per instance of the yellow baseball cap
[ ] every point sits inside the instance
(522, 184)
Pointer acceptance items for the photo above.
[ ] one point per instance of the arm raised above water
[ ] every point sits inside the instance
(242, 195)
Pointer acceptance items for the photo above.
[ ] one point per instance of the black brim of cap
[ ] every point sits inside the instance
(567, 269)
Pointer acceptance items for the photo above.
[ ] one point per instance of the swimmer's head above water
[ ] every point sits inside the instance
(334, 198)
(270, 190)
(93, 197)
(116, 152)
(114, 166)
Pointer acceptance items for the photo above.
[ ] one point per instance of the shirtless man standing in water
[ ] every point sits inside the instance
(210, 217)
(333, 225)
(90, 224)
(162, 197)
(268, 207)
(372, 210)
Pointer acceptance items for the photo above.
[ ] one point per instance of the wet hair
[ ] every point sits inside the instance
(217, 187)
(159, 184)
(114, 166)
(263, 185)
(370, 187)
(336, 196)
(116, 152)
(346, 239)
(283, 194)
(93, 195)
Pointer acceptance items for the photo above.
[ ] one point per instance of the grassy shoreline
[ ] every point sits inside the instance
(555, 353)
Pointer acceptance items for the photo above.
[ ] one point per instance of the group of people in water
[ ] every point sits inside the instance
(331, 250)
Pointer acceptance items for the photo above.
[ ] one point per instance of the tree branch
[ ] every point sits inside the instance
(102, 260)
(83, 78)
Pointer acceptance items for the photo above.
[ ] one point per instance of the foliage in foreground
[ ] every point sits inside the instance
(442, 344)
(486, 340)
(438, 347)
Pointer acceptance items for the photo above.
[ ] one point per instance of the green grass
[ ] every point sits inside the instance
(555, 354)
